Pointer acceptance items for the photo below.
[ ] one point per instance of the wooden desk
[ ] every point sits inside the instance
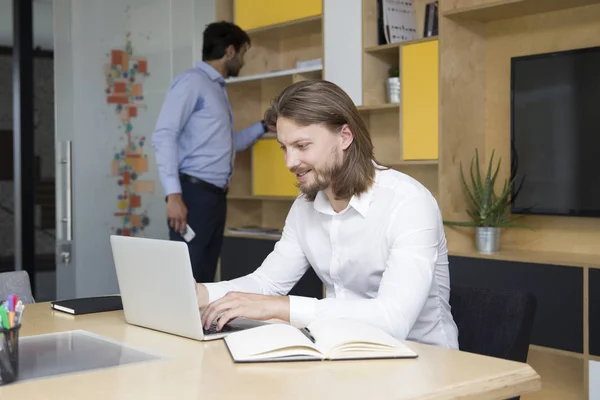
(196, 370)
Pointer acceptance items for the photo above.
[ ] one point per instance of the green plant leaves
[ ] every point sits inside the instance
(487, 208)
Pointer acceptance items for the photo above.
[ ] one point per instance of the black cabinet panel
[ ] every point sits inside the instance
(241, 256)
(559, 291)
(594, 311)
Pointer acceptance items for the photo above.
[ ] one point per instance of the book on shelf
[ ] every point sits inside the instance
(430, 27)
(331, 340)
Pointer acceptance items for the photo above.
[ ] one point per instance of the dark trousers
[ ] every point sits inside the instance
(206, 212)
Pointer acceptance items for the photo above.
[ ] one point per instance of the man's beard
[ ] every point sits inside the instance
(323, 178)
(232, 68)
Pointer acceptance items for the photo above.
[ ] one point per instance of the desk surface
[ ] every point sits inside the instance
(195, 369)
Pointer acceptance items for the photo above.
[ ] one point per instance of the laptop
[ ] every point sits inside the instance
(158, 288)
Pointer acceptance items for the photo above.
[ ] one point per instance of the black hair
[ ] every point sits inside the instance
(220, 35)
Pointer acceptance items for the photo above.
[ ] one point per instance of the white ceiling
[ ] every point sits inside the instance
(42, 24)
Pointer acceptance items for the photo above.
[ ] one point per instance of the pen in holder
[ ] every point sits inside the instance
(9, 355)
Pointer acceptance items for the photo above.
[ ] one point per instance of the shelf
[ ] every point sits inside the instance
(504, 9)
(536, 257)
(251, 235)
(274, 74)
(270, 135)
(414, 163)
(380, 107)
(394, 47)
(272, 28)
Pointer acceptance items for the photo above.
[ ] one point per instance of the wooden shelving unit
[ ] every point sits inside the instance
(271, 64)
(395, 47)
(478, 39)
(487, 11)
(275, 28)
(313, 71)
(536, 257)
(385, 120)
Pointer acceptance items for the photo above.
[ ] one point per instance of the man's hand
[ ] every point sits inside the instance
(246, 305)
(272, 128)
(176, 213)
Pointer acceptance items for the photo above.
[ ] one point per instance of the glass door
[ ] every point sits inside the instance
(114, 62)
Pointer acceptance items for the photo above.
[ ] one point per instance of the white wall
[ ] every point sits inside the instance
(343, 46)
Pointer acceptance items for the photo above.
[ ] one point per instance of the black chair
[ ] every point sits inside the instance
(493, 322)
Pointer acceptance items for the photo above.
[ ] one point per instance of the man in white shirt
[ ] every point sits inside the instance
(373, 235)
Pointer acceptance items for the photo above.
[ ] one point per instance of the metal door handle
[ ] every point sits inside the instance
(68, 217)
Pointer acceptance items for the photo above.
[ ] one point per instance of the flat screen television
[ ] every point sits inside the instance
(555, 133)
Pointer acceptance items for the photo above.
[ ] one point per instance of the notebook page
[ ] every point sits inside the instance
(267, 340)
(331, 334)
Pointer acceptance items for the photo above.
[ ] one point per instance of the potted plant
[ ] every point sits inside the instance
(489, 212)
(392, 85)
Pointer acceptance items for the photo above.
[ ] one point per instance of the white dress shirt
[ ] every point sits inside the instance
(383, 261)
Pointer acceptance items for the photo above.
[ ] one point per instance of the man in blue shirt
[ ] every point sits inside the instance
(195, 145)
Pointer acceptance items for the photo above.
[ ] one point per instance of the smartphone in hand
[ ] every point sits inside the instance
(189, 234)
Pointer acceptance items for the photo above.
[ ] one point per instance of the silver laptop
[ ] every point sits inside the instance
(158, 288)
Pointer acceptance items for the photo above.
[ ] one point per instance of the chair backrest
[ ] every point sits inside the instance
(16, 282)
(493, 322)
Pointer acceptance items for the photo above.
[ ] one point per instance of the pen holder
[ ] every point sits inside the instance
(9, 355)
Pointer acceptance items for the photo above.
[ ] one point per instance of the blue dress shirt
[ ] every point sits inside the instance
(194, 131)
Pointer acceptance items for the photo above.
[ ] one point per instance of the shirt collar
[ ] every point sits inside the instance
(212, 73)
(360, 203)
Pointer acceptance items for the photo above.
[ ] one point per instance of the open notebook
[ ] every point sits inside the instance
(334, 340)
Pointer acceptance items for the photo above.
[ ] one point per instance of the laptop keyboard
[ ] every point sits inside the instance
(227, 328)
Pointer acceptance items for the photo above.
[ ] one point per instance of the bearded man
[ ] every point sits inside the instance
(194, 142)
(373, 235)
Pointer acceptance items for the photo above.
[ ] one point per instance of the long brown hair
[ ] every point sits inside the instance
(320, 102)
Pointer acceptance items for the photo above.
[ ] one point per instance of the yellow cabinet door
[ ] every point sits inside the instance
(419, 87)
(270, 176)
(252, 14)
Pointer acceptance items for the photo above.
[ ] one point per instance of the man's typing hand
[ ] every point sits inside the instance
(246, 305)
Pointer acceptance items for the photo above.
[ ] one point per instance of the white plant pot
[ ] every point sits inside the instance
(487, 240)
(392, 90)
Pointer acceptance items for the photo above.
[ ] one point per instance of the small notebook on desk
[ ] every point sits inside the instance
(333, 340)
(88, 305)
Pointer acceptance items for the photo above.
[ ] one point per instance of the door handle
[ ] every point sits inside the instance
(64, 195)
(68, 218)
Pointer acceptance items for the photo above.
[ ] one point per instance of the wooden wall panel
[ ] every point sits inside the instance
(554, 31)
(461, 112)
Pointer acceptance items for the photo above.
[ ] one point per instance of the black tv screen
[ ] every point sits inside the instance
(555, 133)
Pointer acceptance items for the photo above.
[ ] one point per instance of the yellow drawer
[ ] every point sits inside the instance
(270, 176)
(419, 87)
(251, 14)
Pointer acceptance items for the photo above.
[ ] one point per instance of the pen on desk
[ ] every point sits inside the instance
(308, 334)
